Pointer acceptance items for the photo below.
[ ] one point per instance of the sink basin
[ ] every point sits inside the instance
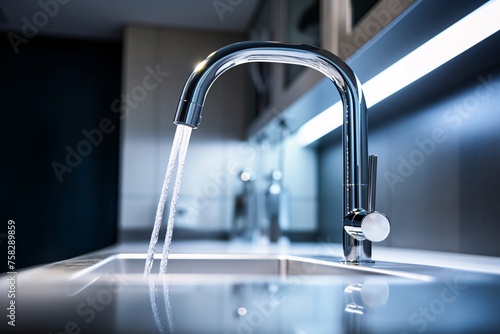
(250, 266)
(228, 293)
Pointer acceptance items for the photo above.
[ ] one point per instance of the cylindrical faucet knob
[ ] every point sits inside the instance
(373, 226)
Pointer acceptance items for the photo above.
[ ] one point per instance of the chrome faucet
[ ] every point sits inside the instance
(362, 224)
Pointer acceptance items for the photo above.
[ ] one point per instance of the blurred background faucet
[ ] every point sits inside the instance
(245, 223)
(361, 223)
(277, 197)
(277, 208)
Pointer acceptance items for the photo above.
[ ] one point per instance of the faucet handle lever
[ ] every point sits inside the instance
(361, 225)
(370, 224)
(372, 182)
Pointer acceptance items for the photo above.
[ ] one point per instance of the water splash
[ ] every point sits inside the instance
(181, 140)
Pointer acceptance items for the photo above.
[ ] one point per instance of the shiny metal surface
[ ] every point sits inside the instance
(355, 138)
(364, 225)
(251, 266)
(372, 182)
(222, 293)
(368, 225)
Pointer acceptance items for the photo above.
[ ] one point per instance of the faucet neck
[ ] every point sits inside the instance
(355, 142)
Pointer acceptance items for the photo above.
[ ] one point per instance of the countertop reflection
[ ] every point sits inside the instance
(54, 301)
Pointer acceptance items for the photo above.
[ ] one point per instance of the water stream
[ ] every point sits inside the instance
(165, 324)
(177, 153)
(175, 197)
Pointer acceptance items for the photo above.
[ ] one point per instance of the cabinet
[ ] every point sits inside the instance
(340, 26)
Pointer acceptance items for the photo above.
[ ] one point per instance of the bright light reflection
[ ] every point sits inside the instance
(274, 189)
(245, 176)
(353, 308)
(322, 124)
(453, 41)
(200, 65)
(242, 311)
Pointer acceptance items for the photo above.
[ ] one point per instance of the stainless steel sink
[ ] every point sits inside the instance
(249, 266)
(106, 292)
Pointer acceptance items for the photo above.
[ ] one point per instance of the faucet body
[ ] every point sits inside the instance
(357, 248)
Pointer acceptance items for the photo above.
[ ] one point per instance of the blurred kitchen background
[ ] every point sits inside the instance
(89, 89)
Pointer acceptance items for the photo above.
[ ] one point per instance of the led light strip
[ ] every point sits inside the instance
(458, 38)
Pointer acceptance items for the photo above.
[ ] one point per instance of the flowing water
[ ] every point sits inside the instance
(175, 196)
(178, 153)
(165, 324)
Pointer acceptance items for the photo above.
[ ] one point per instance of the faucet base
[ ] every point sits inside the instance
(356, 251)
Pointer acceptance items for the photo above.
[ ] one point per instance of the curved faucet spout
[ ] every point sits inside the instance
(197, 86)
(355, 139)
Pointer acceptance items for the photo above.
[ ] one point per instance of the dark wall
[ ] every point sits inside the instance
(438, 143)
(60, 142)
